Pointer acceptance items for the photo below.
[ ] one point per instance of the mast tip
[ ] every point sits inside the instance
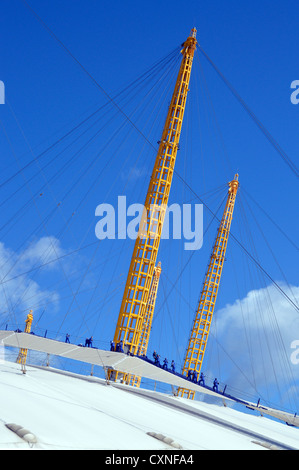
(193, 32)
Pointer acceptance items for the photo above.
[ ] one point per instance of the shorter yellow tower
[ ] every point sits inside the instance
(203, 318)
(22, 356)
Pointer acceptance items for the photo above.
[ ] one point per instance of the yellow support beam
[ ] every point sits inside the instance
(131, 317)
(204, 314)
(22, 356)
(149, 312)
(131, 379)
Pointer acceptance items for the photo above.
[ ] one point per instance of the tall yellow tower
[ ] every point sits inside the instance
(131, 317)
(203, 318)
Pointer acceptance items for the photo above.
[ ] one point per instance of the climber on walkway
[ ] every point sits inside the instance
(215, 385)
(88, 342)
(201, 380)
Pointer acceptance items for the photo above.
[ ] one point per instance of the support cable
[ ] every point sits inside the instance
(175, 172)
(267, 134)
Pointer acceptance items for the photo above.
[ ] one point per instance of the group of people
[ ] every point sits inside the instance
(165, 362)
(192, 374)
(88, 341)
(118, 347)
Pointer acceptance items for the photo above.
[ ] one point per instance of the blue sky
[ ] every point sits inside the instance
(254, 44)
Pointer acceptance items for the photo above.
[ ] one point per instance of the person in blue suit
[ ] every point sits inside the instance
(201, 380)
(88, 342)
(157, 360)
(215, 385)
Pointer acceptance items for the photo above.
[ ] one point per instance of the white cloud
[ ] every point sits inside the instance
(44, 250)
(18, 289)
(257, 332)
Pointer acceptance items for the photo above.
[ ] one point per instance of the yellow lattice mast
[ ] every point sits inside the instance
(132, 312)
(22, 356)
(203, 318)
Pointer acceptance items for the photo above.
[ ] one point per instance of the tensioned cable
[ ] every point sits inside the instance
(43, 263)
(84, 69)
(276, 335)
(191, 255)
(94, 254)
(217, 341)
(169, 60)
(271, 220)
(264, 342)
(138, 130)
(272, 280)
(270, 249)
(267, 134)
(38, 211)
(245, 250)
(137, 81)
(46, 263)
(58, 282)
(211, 109)
(144, 77)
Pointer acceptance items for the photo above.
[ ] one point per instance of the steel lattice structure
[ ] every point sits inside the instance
(131, 317)
(203, 318)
